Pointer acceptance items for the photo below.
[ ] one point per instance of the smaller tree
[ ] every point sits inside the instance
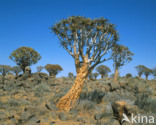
(25, 56)
(39, 68)
(154, 72)
(147, 72)
(16, 70)
(95, 75)
(70, 75)
(4, 69)
(103, 70)
(53, 69)
(128, 75)
(121, 55)
(140, 70)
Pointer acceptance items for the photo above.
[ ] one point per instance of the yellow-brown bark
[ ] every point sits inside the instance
(116, 75)
(69, 100)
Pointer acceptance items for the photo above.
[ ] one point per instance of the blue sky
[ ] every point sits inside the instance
(27, 22)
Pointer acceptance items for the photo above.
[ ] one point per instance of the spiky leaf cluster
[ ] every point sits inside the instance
(84, 37)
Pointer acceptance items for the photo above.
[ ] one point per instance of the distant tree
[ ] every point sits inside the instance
(140, 70)
(95, 75)
(53, 69)
(70, 75)
(90, 76)
(147, 72)
(121, 55)
(25, 56)
(40, 68)
(16, 70)
(128, 75)
(103, 70)
(154, 72)
(87, 41)
(4, 69)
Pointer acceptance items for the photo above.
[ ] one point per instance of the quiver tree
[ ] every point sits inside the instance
(87, 41)
(103, 70)
(70, 75)
(39, 68)
(4, 69)
(95, 75)
(25, 56)
(53, 69)
(147, 72)
(121, 55)
(16, 70)
(154, 72)
(140, 70)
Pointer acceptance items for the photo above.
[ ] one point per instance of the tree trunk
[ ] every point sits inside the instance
(69, 100)
(146, 77)
(116, 74)
(102, 76)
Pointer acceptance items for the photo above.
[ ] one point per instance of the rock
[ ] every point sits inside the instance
(118, 109)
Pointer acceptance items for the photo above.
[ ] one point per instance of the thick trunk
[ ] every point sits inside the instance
(69, 100)
(116, 74)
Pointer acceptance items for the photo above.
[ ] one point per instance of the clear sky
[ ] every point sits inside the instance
(27, 22)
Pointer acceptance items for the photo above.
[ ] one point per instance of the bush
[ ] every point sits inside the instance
(94, 96)
(85, 105)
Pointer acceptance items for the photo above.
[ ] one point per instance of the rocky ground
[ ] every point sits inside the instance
(31, 101)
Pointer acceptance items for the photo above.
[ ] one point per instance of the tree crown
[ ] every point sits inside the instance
(121, 55)
(25, 56)
(85, 39)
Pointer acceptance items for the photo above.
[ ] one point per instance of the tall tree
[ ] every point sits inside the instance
(121, 55)
(25, 56)
(87, 41)
(140, 70)
(103, 70)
